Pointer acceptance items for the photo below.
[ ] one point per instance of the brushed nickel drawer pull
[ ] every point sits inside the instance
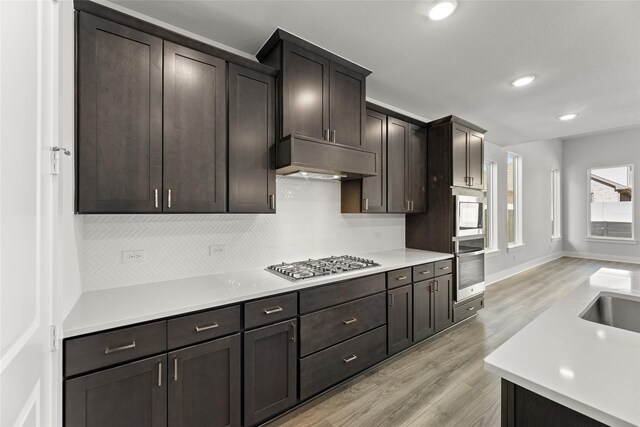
(401, 278)
(437, 285)
(272, 201)
(325, 134)
(110, 350)
(333, 135)
(350, 359)
(160, 374)
(206, 328)
(175, 369)
(272, 310)
(366, 204)
(169, 202)
(293, 332)
(350, 321)
(444, 268)
(156, 194)
(471, 308)
(424, 273)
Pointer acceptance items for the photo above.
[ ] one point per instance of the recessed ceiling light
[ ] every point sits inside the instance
(523, 81)
(568, 116)
(442, 9)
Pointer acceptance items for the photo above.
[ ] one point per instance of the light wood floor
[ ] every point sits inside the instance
(441, 382)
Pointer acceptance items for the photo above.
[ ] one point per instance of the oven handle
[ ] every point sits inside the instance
(467, 254)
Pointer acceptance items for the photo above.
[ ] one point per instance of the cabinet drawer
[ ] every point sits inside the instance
(423, 272)
(330, 366)
(397, 278)
(200, 327)
(328, 295)
(327, 327)
(467, 309)
(270, 310)
(443, 267)
(109, 348)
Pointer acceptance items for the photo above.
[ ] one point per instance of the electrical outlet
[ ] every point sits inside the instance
(132, 257)
(216, 250)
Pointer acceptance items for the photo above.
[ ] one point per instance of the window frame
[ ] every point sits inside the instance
(607, 239)
(491, 244)
(556, 205)
(517, 205)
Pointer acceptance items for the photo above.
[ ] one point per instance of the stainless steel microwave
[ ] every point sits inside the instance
(469, 211)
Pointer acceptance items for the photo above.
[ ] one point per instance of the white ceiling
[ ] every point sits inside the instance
(585, 55)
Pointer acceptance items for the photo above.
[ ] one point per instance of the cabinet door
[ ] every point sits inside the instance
(305, 92)
(459, 147)
(374, 189)
(270, 371)
(397, 136)
(252, 174)
(399, 319)
(476, 159)
(422, 310)
(443, 302)
(204, 384)
(417, 169)
(119, 144)
(195, 131)
(132, 395)
(346, 105)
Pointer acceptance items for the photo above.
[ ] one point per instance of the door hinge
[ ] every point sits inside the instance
(53, 338)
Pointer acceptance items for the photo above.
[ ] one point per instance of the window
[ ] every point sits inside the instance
(514, 199)
(610, 203)
(555, 203)
(489, 174)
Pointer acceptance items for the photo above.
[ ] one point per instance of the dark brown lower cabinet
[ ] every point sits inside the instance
(423, 322)
(399, 318)
(443, 302)
(204, 384)
(270, 371)
(131, 395)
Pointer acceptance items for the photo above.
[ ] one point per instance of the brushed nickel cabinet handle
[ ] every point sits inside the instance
(272, 201)
(350, 359)
(272, 310)
(366, 204)
(471, 308)
(293, 332)
(401, 278)
(159, 374)
(412, 206)
(325, 134)
(350, 321)
(408, 205)
(333, 135)
(471, 182)
(110, 350)
(156, 198)
(437, 285)
(444, 268)
(424, 273)
(169, 201)
(175, 369)
(390, 300)
(206, 328)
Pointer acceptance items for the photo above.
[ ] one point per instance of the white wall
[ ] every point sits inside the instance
(538, 159)
(308, 224)
(615, 148)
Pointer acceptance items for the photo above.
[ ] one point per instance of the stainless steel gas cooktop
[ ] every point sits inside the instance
(320, 267)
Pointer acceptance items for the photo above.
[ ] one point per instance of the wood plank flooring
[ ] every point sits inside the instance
(442, 382)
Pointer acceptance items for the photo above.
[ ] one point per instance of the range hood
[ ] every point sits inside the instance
(298, 153)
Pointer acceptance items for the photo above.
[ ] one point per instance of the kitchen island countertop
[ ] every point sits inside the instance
(591, 368)
(111, 308)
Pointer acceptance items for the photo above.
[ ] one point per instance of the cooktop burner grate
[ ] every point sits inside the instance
(320, 267)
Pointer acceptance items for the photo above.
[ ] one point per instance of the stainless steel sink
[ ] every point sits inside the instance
(619, 311)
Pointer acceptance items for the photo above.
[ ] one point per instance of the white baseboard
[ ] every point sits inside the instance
(603, 257)
(501, 275)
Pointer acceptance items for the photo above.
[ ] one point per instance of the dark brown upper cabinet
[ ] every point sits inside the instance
(406, 167)
(252, 138)
(467, 156)
(322, 94)
(195, 131)
(119, 95)
(369, 194)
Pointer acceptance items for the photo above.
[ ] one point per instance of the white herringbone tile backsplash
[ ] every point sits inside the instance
(308, 224)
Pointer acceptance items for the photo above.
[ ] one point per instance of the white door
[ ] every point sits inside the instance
(27, 121)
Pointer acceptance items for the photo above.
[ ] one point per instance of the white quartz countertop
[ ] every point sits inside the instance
(591, 368)
(105, 309)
